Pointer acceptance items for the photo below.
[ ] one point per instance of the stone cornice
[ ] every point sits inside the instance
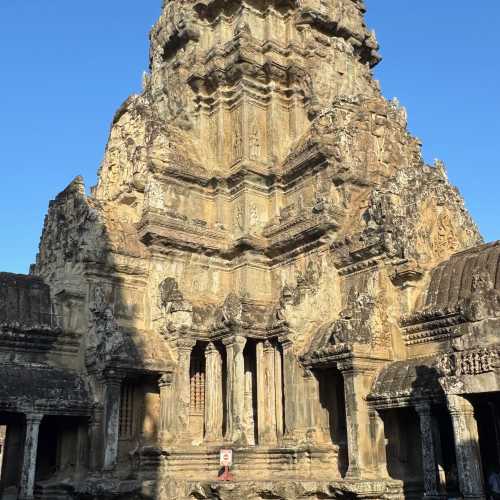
(16, 336)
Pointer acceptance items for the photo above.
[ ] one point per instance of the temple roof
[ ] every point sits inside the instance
(452, 280)
(42, 388)
(409, 379)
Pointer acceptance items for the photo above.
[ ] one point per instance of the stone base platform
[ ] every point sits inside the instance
(292, 489)
(105, 488)
(252, 463)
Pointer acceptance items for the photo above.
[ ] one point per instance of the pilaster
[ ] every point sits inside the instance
(112, 382)
(266, 394)
(235, 387)
(166, 433)
(311, 394)
(213, 395)
(470, 474)
(278, 385)
(96, 442)
(357, 385)
(27, 483)
(183, 389)
(290, 391)
(429, 456)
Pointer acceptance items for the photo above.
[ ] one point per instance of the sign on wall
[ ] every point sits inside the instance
(226, 458)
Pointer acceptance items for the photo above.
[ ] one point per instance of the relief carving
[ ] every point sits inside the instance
(232, 311)
(105, 339)
(176, 311)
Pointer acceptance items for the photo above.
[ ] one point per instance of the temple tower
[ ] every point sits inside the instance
(262, 222)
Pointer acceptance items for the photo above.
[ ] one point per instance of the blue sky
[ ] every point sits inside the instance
(67, 66)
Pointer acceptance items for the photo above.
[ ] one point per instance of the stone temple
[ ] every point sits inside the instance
(266, 264)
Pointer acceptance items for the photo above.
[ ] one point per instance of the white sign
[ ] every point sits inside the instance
(226, 458)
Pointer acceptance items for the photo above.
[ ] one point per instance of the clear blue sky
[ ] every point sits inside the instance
(66, 66)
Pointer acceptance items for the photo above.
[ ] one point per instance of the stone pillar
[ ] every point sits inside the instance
(278, 385)
(166, 433)
(311, 397)
(112, 401)
(266, 394)
(27, 483)
(262, 393)
(270, 383)
(429, 457)
(96, 441)
(378, 444)
(213, 395)
(357, 384)
(290, 376)
(235, 387)
(468, 455)
(183, 389)
(82, 448)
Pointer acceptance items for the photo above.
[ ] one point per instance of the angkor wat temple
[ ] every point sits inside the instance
(266, 264)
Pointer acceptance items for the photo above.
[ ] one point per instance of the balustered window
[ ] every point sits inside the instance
(127, 411)
(197, 374)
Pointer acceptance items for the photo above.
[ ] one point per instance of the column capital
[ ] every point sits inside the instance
(166, 379)
(356, 366)
(185, 344)
(458, 405)
(96, 418)
(268, 347)
(33, 418)
(211, 349)
(235, 340)
(423, 408)
(285, 342)
(112, 376)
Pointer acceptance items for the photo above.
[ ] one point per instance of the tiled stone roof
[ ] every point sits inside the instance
(451, 281)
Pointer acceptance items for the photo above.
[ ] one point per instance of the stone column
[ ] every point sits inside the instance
(429, 458)
(96, 441)
(468, 455)
(379, 454)
(311, 397)
(166, 433)
(235, 387)
(266, 394)
(357, 384)
(229, 345)
(27, 483)
(213, 395)
(290, 375)
(278, 385)
(270, 383)
(82, 448)
(183, 389)
(262, 393)
(112, 401)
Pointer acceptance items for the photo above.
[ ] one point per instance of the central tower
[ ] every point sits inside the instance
(262, 222)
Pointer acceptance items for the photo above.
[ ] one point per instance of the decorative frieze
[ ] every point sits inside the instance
(470, 362)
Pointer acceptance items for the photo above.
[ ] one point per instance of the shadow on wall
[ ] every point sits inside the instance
(95, 266)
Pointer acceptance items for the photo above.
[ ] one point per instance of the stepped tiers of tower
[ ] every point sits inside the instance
(265, 265)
